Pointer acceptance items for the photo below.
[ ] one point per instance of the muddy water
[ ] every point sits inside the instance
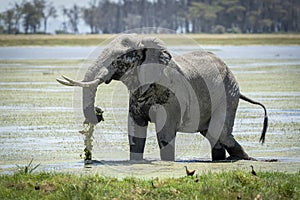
(37, 117)
(225, 52)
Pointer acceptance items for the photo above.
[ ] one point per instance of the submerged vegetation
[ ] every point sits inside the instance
(27, 169)
(225, 185)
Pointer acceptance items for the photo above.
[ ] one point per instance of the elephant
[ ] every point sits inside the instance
(193, 92)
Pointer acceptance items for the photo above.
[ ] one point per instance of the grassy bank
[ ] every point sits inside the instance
(225, 185)
(202, 39)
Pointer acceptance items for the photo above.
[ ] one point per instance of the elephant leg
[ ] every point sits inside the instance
(234, 149)
(220, 135)
(237, 152)
(166, 142)
(137, 139)
(218, 152)
(165, 126)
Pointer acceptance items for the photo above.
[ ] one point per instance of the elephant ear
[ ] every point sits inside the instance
(155, 51)
(155, 58)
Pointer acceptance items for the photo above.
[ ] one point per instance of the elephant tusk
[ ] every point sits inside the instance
(64, 82)
(70, 82)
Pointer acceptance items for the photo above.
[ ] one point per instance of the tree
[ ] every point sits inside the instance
(114, 16)
(28, 20)
(90, 16)
(33, 14)
(73, 16)
(8, 20)
(18, 16)
(183, 15)
(107, 16)
(11, 19)
(203, 16)
(48, 12)
(132, 21)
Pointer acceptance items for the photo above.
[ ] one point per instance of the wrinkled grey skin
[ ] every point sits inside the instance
(195, 92)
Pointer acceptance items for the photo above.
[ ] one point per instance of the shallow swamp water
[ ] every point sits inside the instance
(40, 118)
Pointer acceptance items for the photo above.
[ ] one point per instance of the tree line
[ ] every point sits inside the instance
(29, 15)
(184, 16)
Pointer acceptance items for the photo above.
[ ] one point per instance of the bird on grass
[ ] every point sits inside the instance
(252, 171)
(37, 187)
(189, 172)
(156, 183)
(196, 179)
(258, 197)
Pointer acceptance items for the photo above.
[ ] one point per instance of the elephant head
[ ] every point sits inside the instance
(117, 62)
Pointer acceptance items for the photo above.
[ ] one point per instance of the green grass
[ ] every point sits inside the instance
(51, 40)
(202, 39)
(224, 185)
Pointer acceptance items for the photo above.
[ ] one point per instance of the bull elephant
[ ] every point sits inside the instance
(194, 92)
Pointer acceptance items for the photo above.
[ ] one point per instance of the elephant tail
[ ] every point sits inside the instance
(263, 134)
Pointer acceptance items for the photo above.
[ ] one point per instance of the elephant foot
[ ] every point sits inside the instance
(218, 154)
(87, 156)
(136, 156)
(137, 146)
(239, 158)
(167, 153)
(237, 153)
(235, 158)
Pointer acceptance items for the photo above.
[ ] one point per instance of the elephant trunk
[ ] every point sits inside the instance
(89, 85)
(89, 95)
(88, 104)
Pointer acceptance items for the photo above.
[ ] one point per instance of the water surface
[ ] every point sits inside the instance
(225, 52)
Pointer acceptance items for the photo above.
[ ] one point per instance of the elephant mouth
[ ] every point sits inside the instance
(108, 81)
(116, 76)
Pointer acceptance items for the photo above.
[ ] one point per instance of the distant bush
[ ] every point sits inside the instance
(218, 29)
(234, 30)
(61, 32)
(40, 33)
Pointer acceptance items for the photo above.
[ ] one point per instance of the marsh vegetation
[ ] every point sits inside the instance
(226, 185)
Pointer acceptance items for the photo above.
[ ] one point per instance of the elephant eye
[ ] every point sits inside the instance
(126, 61)
(130, 57)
